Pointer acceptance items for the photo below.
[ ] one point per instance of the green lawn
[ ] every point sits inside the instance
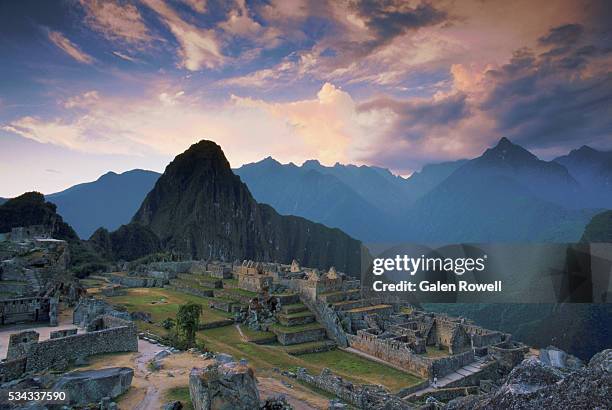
(265, 357)
(375, 373)
(164, 303)
(297, 328)
(433, 351)
(181, 394)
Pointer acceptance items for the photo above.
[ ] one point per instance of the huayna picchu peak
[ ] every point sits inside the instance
(199, 208)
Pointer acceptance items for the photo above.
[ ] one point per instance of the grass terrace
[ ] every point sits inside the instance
(164, 303)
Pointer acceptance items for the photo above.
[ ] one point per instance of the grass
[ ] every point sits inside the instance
(374, 372)
(366, 308)
(305, 313)
(296, 329)
(433, 351)
(181, 394)
(168, 302)
(256, 335)
(265, 357)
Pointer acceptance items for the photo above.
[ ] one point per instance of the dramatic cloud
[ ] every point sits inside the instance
(199, 47)
(69, 47)
(328, 127)
(565, 35)
(561, 96)
(116, 21)
(388, 20)
(198, 6)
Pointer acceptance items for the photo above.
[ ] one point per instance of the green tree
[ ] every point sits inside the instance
(187, 321)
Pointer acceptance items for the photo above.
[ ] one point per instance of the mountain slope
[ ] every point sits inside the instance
(376, 185)
(599, 229)
(423, 181)
(108, 202)
(293, 190)
(199, 208)
(32, 209)
(593, 170)
(507, 194)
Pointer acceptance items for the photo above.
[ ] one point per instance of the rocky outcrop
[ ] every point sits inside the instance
(555, 357)
(127, 243)
(31, 209)
(200, 209)
(89, 309)
(91, 386)
(224, 385)
(536, 385)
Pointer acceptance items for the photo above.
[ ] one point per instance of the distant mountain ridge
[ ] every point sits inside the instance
(108, 202)
(593, 170)
(506, 194)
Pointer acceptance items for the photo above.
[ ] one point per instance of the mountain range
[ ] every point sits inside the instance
(506, 194)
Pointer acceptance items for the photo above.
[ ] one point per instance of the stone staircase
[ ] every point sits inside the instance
(297, 328)
(450, 380)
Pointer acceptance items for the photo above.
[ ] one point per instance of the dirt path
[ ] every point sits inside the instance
(242, 336)
(298, 396)
(149, 389)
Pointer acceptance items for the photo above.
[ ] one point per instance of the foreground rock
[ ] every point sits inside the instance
(223, 386)
(536, 385)
(91, 386)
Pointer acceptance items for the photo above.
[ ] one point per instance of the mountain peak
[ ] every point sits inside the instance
(311, 163)
(205, 149)
(507, 151)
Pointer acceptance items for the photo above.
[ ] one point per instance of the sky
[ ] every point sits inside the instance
(89, 86)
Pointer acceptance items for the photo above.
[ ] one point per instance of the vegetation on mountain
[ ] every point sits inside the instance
(200, 209)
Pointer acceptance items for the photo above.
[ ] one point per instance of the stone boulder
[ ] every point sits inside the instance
(91, 386)
(536, 385)
(602, 361)
(223, 386)
(552, 356)
(173, 405)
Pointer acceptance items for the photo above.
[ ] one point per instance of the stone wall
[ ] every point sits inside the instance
(49, 353)
(254, 283)
(328, 317)
(509, 354)
(26, 353)
(34, 309)
(20, 343)
(361, 396)
(12, 369)
(90, 308)
(138, 281)
(393, 352)
(62, 333)
(444, 365)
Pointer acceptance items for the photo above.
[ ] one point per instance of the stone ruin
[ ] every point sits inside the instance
(229, 385)
(360, 396)
(404, 339)
(29, 309)
(107, 332)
